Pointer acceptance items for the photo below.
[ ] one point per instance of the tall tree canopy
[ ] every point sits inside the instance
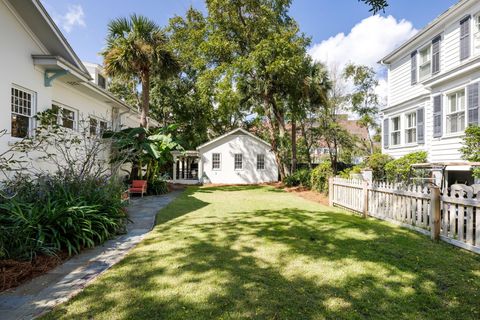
(136, 50)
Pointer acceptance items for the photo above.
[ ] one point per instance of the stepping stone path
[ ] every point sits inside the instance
(41, 294)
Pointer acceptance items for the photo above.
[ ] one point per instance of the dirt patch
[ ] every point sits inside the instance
(13, 272)
(305, 193)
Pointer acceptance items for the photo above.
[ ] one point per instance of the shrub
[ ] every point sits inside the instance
(349, 171)
(55, 213)
(471, 149)
(299, 178)
(320, 175)
(157, 186)
(398, 170)
(377, 163)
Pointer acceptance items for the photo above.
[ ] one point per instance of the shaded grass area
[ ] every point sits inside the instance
(257, 253)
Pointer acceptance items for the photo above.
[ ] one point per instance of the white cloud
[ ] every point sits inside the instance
(74, 17)
(368, 41)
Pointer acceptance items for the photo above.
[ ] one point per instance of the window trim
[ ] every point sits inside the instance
(430, 61)
(448, 112)
(262, 162)
(219, 161)
(33, 111)
(98, 125)
(414, 127)
(75, 113)
(399, 131)
(235, 161)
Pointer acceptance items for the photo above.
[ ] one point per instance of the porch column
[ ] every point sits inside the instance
(174, 177)
(200, 169)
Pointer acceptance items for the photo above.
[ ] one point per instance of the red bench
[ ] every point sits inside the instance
(138, 186)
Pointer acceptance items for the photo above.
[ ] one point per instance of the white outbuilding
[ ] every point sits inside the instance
(237, 157)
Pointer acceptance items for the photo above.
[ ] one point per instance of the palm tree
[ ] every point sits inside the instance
(137, 49)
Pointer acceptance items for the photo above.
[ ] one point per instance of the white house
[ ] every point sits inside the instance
(433, 90)
(237, 157)
(41, 71)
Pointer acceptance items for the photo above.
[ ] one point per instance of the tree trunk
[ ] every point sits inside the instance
(145, 100)
(273, 135)
(294, 147)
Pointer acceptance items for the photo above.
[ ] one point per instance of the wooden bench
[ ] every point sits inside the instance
(138, 186)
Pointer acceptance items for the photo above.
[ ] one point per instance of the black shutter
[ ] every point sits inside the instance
(421, 125)
(437, 116)
(473, 104)
(385, 133)
(465, 38)
(436, 55)
(413, 67)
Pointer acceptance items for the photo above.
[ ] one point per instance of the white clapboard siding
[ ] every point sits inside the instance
(410, 206)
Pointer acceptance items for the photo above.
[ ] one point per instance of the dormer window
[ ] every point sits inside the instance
(102, 83)
(425, 62)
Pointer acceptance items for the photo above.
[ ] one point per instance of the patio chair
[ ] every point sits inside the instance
(138, 186)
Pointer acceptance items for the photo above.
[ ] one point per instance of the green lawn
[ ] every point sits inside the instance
(260, 253)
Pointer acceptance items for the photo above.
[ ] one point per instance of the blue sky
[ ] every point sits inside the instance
(84, 22)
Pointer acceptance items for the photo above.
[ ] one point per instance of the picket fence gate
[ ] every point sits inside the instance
(454, 217)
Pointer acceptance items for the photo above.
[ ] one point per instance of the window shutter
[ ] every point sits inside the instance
(385, 133)
(465, 38)
(413, 67)
(436, 55)
(473, 104)
(421, 125)
(437, 116)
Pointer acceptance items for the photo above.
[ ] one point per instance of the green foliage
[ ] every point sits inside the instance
(157, 185)
(471, 147)
(55, 213)
(398, 170)
(300, 177)
(377, 163)
(376, 5)
(349, 171)
(320, 176)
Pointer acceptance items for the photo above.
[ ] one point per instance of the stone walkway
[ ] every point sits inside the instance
(41, 294)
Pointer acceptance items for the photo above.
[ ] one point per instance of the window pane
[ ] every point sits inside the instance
(238, 161)
(260, 161)
(216, 161)
(93, 126)
(103, 126)
(20, 126)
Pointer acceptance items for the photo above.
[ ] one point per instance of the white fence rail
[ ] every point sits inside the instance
(454, 217)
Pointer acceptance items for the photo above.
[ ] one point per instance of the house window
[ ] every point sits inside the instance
(97, 126)
(477, 33)
(22, 109)
(102, 83)
(395, 135)
(216, 161)
(411, 127)
(66, 117)
(238, 161)
(93, 126)
(456, 112)
(260, 161)
(425, 63)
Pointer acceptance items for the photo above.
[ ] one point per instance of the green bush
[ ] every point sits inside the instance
(56, 213)
(320, 175)
(377, 163)
(349, 171)
(471, 147)
(298, 178)
(398, 170)
(157, 186)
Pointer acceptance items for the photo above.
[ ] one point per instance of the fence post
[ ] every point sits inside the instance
(435, 212)
(330, 191)
(365, 199)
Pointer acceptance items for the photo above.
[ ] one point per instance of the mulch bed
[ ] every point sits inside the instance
(13, 272)
(304, 193)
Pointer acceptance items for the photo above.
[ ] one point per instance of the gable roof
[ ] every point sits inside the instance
(437, 21)
(238, 130)
(38, 20)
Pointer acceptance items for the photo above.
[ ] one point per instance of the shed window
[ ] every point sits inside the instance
(66, 117)
(22, 110)
(238, 161)
(260, 161)
(216, 161)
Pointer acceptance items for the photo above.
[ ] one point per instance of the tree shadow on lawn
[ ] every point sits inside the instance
(284, 264)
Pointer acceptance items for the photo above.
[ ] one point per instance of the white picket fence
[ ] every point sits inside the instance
(458, 213)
